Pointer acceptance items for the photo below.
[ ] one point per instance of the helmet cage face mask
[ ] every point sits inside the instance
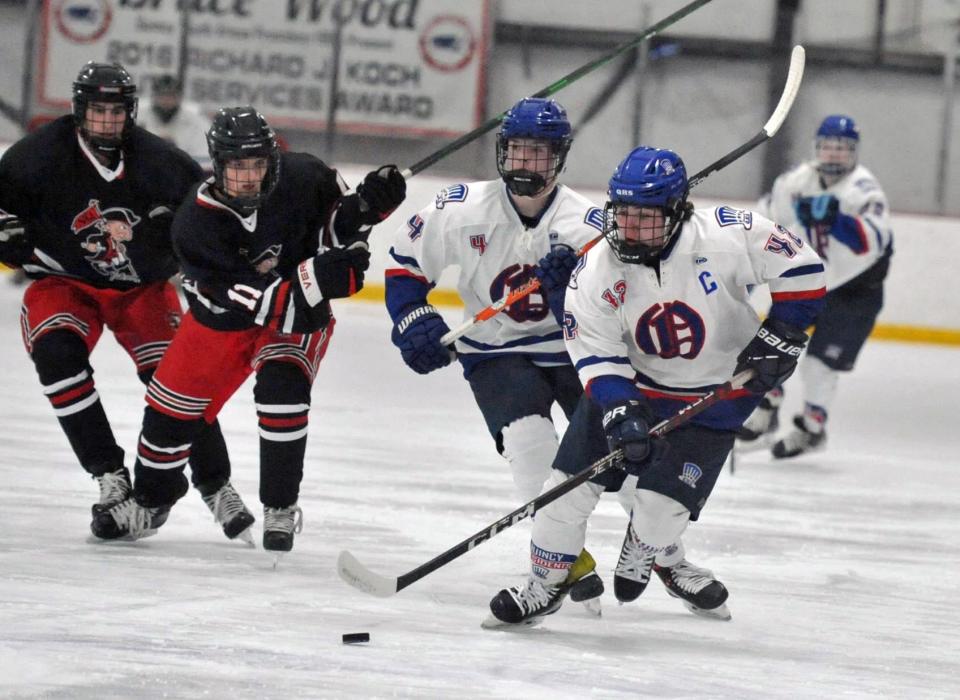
(532, 146)
(237, 136)
(166, 97)
(107, 84)
(637, 233)
(835, 147)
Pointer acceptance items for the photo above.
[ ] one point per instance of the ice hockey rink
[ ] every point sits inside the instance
(842, 566)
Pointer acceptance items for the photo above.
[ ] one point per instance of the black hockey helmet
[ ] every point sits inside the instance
(242, 132)
(165, 97)
(104, 82)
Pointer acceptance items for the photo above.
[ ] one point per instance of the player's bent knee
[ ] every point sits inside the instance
(58, 355)
(574, 506)
(529, 445)
(658, 520)
(161, 430)
(281, 383)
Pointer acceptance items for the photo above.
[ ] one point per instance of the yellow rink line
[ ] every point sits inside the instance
(895, 332)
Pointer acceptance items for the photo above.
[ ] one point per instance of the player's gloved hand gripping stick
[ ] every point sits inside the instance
(790, 88)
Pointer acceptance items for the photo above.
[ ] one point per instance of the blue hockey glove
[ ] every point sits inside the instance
(418, 334)
(822, 209)
(772, 354)
(627, 427)
(553, 271)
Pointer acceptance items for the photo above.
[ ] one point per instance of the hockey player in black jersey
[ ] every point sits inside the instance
(264, 245)
(87, 202)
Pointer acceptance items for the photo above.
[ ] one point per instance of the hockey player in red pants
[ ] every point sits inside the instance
(259, 291)
(85, 209)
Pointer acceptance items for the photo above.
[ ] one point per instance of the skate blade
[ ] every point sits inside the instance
(764, 442)
(493, 623)
(593, 606)
(247, 538)
(721, 612)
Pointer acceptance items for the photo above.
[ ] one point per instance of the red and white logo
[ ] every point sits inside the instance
(83, 21)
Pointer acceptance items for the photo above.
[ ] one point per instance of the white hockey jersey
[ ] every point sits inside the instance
(476, 227)
(676, 330)
(859, 195)
(187, 130)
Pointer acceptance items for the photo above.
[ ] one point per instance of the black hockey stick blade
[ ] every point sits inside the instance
(555, 87)
(360, 577)
(789, 94)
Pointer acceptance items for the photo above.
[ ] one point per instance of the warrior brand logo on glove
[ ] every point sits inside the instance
(782, 345)
(411, 317)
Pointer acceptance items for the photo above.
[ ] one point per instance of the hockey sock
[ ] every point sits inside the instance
(282, 394)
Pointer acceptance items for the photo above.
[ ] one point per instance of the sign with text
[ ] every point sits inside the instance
(407, 67)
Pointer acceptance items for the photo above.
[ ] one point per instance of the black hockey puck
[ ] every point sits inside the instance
(356, 638)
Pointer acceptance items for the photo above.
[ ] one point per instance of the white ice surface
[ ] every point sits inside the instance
(843, 567)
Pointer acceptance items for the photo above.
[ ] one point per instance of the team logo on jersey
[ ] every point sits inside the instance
(453, 193)
(532, 307)
(267, 260)
(691, 474)
(594, 218)
(479, 242)
(105, 234)
(414, 227)
(728, 216)
(671, 329)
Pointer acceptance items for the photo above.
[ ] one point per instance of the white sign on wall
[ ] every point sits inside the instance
(407, 67)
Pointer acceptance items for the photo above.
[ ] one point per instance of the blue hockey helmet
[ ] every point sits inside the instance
(533, 167)
(646, 203)
(835, 147)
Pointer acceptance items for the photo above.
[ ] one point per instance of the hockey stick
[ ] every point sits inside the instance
(362, 578)
(555, 87)
(794, 76)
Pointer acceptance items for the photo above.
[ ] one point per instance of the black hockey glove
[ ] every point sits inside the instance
(418, 334)
(817, 210)
(627, 426)
(772, 355)
(553, 271)
(334, 274)
(15, 249)
(381, 192)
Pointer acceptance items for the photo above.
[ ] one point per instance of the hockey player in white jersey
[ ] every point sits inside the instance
(653, 321)
(174, 119)
(501, 233)
(838, 207)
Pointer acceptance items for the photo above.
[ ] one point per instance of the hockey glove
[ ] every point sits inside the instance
(772, 355)
(334, 274)
(380, 193)
(553, 271)
(15, 249)
(627, 427)
(817, 210)
(418, 334)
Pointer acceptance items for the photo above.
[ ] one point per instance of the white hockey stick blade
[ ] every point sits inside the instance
(361, 578)
(798, 58)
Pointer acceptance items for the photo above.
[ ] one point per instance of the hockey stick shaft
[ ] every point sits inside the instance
(358, 576)
(555, 87)
(794, 76)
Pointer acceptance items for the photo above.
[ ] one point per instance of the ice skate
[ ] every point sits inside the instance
(128, 520)
(585, 584)
(633, 568)
(526, 605)
(114, 487)
(230, 512)
(279, 527)
(758, 430)
(697, 588)
(799, 441)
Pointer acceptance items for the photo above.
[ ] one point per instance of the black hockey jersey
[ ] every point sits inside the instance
(237, 271)
(110, 228)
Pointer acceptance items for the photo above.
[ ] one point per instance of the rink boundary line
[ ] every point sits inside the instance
(882, 331)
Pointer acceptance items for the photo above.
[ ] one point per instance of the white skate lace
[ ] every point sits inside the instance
(690, 578)
(283, 519)
(131, 517)
(533, 596)
(225, 503)
(636, 560)
(114, 487)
